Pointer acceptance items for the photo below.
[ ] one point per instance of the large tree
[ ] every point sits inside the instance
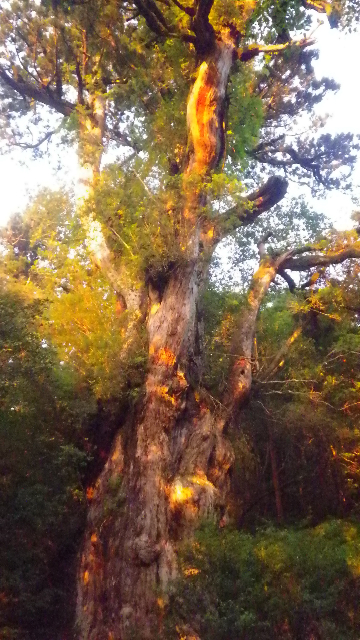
(187, 94)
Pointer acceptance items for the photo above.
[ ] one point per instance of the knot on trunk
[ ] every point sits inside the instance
(146, 550)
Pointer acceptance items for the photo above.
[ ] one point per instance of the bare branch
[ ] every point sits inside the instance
(308, 163)
(253, 50)
(190, 11)
(262, 146)
(35, 145)
(288, 279)
(261, 200)
(321, 260)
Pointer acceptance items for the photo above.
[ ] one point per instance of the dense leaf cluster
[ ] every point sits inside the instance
(296, 583)
(42, 501)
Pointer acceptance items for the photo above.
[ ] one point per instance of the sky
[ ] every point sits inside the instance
(339, 58)
(21, 176)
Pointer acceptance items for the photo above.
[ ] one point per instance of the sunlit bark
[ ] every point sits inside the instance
(165, 477)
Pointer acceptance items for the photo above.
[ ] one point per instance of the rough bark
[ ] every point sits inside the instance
(169, 466)
(169, 463)
(173, 463)
(174, 471)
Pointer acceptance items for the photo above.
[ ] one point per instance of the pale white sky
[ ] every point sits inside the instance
(340, 59)
(21, 176)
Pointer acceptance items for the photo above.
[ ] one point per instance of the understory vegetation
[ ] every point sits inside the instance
(291, 583)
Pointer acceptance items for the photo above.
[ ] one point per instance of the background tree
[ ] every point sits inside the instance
(42, 501)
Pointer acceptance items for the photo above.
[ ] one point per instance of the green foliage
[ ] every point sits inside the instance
(41, 505)
(219, 310)
(61, 338)
(245, 116)
(139, 210)
(287, 584)
(62, 333)
(275, 18)
(47, 259)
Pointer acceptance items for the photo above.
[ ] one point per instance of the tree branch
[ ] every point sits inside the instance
(324, 6)
(288, 279)
(151, 4)
(312, 280)
(253, 50)
(317, 5)
(117, 136)
(43, 95)
(308, 163)
(202, 9)
(153, 17)
(240, 379)
(261, 200)
(157, 22)
(266, 197)
(200, 25)
(190, 11)
(320, 260)
(35, 145)
(262, 146)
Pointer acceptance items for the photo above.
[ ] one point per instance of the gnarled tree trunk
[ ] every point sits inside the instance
(170, 467)
(168, 470)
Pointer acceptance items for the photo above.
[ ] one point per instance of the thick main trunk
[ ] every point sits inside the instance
(161, 475)
(169, 464)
